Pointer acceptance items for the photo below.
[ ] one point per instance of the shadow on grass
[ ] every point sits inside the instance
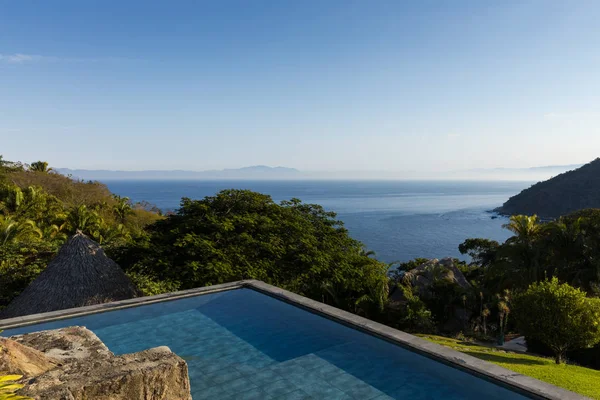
(504, 358)
(473, 344)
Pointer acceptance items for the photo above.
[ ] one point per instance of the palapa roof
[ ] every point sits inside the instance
(80, 275)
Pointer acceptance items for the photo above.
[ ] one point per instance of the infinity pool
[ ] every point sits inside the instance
(241, 344)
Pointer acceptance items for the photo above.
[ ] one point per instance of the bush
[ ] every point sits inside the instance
(558, 315)
(414, 315)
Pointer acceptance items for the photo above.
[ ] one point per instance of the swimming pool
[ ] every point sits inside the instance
(243, 344)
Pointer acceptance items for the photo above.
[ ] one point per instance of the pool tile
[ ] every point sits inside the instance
(295, 395)
(363, 391)
(279, 387)
(344, 381)
(223, 376)
(214, 392)
(238, 385)
(265, 376)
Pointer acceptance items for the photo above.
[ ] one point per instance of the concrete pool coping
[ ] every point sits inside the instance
(519, 383)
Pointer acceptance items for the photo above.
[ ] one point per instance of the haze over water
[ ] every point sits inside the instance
(399, 220)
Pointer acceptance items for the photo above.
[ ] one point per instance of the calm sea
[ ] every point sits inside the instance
(399, 220)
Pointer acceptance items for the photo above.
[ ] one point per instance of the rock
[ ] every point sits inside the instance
(422, 277)
(89, 370)
(155, 374)
(518, 344)
(66, 344)
(16, 359)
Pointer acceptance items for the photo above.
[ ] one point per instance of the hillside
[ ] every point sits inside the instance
(561, 195)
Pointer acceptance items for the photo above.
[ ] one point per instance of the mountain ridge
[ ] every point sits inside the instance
(256, 171)
(561, 195)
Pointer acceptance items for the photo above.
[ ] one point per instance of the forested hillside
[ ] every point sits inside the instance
(568, 192)
(39, 209)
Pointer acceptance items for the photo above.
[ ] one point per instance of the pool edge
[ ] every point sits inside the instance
(18, 322)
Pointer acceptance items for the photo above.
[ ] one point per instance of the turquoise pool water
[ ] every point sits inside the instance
(241, 344)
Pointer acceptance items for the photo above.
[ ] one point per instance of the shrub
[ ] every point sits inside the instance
(558, 315)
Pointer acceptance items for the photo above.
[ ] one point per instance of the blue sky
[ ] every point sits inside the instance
(316, 85)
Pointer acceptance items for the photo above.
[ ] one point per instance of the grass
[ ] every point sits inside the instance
(571, 377)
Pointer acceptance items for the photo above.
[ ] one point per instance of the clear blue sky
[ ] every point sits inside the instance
(316, 85)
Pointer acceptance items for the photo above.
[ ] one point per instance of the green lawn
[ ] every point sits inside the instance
(577, 379)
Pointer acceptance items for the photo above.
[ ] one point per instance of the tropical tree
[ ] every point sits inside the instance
(482, 251)
(504, 310)
(526, 228)
(414, 314)
(55, 233)
(522, 250)
(239, 234)
(106, 234)
(11, 198)
(558, 315)
(122, 208)
(40, 166)
(377, 291)
(83, 219)
(12, 231)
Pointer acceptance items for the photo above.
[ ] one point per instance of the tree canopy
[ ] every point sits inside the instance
(239, 234)
(560, 316)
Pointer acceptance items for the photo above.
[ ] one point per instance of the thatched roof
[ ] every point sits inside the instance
(80, 275)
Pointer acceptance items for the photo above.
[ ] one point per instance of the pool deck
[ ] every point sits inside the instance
(525, 385)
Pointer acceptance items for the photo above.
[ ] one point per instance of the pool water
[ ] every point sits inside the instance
(241, 344)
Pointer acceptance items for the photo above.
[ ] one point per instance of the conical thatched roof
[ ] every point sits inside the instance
(80, 275)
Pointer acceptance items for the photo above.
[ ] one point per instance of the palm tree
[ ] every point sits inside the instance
(11, 198)
(13, 231)
(40, 166)
(485, 313)
(376, 289)
(106, 235)
(503, 311)
(55, 233)
(83, 219)
(526, 228)
(123, 207)
(523, 246)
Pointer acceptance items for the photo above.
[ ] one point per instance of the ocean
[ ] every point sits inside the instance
(399, 220)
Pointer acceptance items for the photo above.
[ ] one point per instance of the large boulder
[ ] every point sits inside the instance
(85, 369)
(425, 275)
(67, 344)
(16, 359)
(155, 374)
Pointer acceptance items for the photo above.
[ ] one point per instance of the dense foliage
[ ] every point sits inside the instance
(558, 315)
(239, 234)
(39, 209)
(561, 195)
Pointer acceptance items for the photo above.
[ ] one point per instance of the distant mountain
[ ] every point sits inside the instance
(524, 174)
(561, 195)
(255, 172)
